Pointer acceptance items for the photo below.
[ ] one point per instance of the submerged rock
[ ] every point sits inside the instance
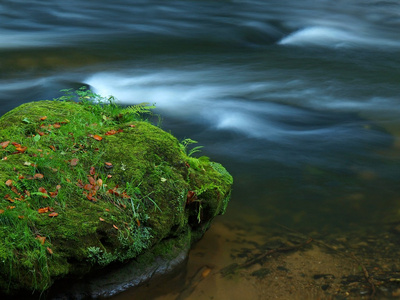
(88, 186)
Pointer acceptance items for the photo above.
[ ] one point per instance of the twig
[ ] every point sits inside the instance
(366, 275)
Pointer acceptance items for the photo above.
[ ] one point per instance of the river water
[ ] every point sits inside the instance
(298, 99)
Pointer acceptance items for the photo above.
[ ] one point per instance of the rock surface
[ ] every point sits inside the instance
(86, 186)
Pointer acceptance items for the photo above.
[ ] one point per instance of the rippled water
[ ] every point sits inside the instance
(299, 100)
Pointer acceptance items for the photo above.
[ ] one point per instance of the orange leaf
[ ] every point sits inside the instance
(53, 194)
(9, 182)
(74, 162)
(43, 210)
(138, 222)
(4, 144)
(21, 217)
(40, 133)
(56, 125)
(108, 165)
(41, 239)
(111, 132)
(49, 250)
(92, 180)
(21, 177)
(109, 176)
(5, 158)
(97, 137)
(52, 147)
(132, 125)
(10, 207)
(16, 144)
(115, 227)
(43, 118)
(101, 219)
(87, 187)
(54, 214)
(1, 211)
(38, 176)
(21, 149)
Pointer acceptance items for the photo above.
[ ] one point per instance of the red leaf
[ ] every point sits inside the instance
(54, 214)
(4, 144)
(74, 162)
(92, 171)
(97, 137)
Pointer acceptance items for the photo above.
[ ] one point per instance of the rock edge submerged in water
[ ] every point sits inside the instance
(86, 185)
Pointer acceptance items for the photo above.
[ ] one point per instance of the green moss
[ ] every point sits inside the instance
(118, 184)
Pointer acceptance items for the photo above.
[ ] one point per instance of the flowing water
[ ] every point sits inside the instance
(298, 99)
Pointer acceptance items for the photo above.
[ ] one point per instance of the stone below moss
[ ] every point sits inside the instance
(88, 186)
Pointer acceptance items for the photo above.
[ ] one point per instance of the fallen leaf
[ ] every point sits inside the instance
(21, 177)
(53, 194)
(40, 133)
(38, 176)
(92, 180)
(52, 147)
(41, 239)
(16, 144)
(108, 165)
(74, 162)
(21, 149)
(10, 207)
(109, 176)
(101, 219)
(97, 137)
(43, 210)
(115, 227)
(132, 125)
(58, 187)
(206, 272)
(49, 250)
(138, 222)
(43, 118)
(92, 171)
(54, 214)
(111, 132)
(99, 182)
(87, 187)
(56, 125)
(4, 144)
(9, 182)
(5, 158)
(2, 211)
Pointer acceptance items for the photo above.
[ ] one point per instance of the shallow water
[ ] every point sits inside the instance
(300, 101)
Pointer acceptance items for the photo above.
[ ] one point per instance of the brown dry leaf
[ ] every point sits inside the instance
(92, 180)
(9, 182)
(115, 227)
(2, 211)
(111, 132)
(38, 176)
(4, 144)
(101, 219)
(54, 214)
(92, 171)
(74, 161)
(10, 207)
(97, 137)
(43, 210)
(21, 217)
(21, 149)
(49, 250)
(41, 239)
(43, 190)
(43, 118)
(52, 147)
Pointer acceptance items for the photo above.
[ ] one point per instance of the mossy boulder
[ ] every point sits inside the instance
(86, 185)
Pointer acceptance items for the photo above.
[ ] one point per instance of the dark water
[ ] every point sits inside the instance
(298, 99)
